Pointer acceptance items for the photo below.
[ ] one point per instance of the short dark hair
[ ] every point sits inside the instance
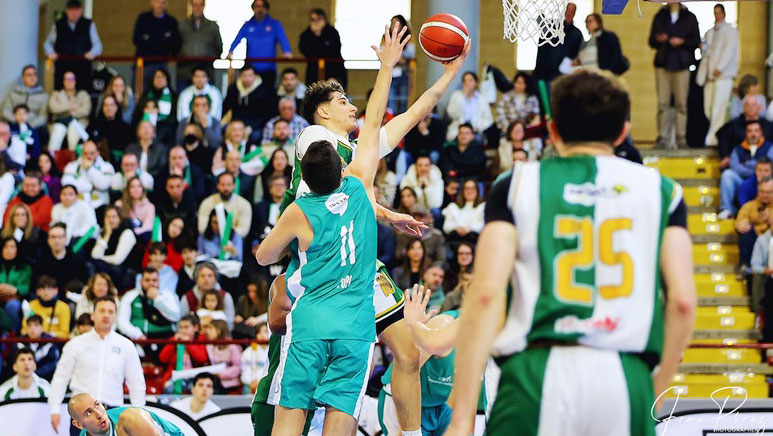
(265, 4)
(226, 174)
(468, 125)
(474, 76)
(589, 106)
(203, 375)
(149, 270)
(721, 7)
(157, 247)
(35, 318)
(22, 351)
(317, 94)
(199, 68)
(191, 318)
(763, 161)
(74, 4)
(21, 106)
(84, 319)
(175, 177)
(321, 167)
(751, 122)
(289, 70)
(202, 96)
(68, 186)
(320, 12)
(62, 226)
(280, 120)
(46, 281)
(108, 298)
(27, 67)
(248, 67)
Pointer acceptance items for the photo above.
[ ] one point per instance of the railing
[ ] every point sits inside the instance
(139, 64)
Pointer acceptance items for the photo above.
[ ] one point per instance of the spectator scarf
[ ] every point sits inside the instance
(26, 199)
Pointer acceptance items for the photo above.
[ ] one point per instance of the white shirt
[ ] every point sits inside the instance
(10, 390)
(94, 184)
(184, 405)
(99, 367)
(78, 218)
(254, 364)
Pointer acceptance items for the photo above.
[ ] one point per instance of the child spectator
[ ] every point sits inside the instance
(195, 355)
(25, 383)
(255, 360)
(175, 238)
(99, 285)
(199, 405)
(186, 277)
(212, 307)
(167, 277)
(83, 324)
(26, 134)
(76, 214)
(46, 354)
(228, 354)
(55, 313)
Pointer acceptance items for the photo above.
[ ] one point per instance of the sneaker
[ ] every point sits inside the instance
(724, 214)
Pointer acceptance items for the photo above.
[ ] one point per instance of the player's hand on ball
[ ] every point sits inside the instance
(456, 64)
(394, 41)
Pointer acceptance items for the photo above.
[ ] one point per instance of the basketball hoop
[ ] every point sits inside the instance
(540, 20)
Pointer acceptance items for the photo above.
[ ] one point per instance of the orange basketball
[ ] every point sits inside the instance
(442, 37)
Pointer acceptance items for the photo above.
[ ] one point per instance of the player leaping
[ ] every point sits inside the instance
(325, 359)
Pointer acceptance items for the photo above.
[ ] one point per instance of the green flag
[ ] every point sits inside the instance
(155, 235)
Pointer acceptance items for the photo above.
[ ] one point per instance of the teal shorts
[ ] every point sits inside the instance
(321, 373)
(434, 420)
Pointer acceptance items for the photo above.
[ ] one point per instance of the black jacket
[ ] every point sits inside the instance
(686, 27)
(326, 45)
(733, 133)
(549, 58)
(156, 36)
(255, 109)
(610, 54)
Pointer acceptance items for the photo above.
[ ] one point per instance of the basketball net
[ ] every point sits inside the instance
(540, 20)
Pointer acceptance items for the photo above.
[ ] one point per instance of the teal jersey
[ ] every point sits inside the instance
(162, 425)
(331, 283)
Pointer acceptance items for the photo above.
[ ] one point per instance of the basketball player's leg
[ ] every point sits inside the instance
(289, 422)
(387, 414)
(262, 415)
(406, 387)
(301, 365)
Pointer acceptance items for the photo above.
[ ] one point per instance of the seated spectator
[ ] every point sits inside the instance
(150, 153)
(467, 106)
(514, 140)
(19, 226)
(160, 91)
(233, 204)
(253, 159)
(69, 109)
(83, 324)
(165, 128)
(202, 116)
(99, 285)
(413, 266)
(244, 184)
(255, 360)
(386, 180)
(28, 91)
(210, 244)
(205, 278)
(278, 166)
(46, 353)
(426, 138)
(15, 277)
(463, 220)
(266, 213)
(432, 280)
(461, 264)
(520, 103)
(179, 165)
(212, 307)
(194, 355)
(408, 199)
(199, 405)
(33, 196)
(742, 162)
(22, 130)
(200, 87)
(141, 212)
(13, 152)
(249, 308)
(76, 215)
(148, 311)
(185, 275)
(114, 252)
(734, 131)
(754, 219)
(7, 186)
(426, 180)
(24, 383)
(130, 166)
(288, 112)
(280, 139)
(290, 86)
(60, 262)
(196, 148)
(748, 189)
(167, 276)
(55, 312)
(176, 202)
(231, 355)
(464, 155)
(111, 132)
(748, 84)
(122, 95)
(251, 100)
(91, 177)
(49, 175)
(454, 296)
(432, 237)
(176, 234)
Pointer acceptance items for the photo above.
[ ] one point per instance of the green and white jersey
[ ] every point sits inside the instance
(345, 148)
(587, 268)
(10, 390)
(330, 284)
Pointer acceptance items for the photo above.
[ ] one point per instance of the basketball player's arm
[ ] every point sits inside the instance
(681, 301)
(278, 309)
(435, 339)
(482, 316)
(277, 242)
(400, 125)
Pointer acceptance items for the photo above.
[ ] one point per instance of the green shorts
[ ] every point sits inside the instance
(318, 373)
(434, 420)
(262, 416)
(558, 390)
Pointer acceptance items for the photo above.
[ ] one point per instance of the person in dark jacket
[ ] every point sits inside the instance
(155, 34)
(465, 155)
(73, 36)
(321, 40)
(675, 36)
(734, 131)
(251, 100)
(199, 37)
(109, 131)
(550, 56)
(602, 50)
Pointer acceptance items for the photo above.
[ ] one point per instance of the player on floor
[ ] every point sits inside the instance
(589, 243)
(89, 415)
(328, 345)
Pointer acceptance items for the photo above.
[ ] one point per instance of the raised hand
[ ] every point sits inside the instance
(456, 65)
(415, 309)
(394, 42)
(406, 223)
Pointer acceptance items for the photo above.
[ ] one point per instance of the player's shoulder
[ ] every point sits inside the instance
(312, 134)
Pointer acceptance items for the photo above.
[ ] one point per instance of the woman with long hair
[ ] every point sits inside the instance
(464, 219)
(408, 199)
(18, 225)
(176, 235)
(209, 242)
(15, 277)
(278, 164)
(135, 205)
(250, 307)
(514, 140)
(460, 264)
(123, 96)
(114, 252)
(99, 285)
(231, 355)
(413, 266)
(162, 112)
(109, 131)
(386, 181)
(49, 175)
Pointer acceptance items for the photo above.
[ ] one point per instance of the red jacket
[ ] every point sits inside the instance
(41, 211)
(195, 355)
(173, 257)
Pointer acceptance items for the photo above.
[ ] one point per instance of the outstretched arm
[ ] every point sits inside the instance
(433, 338)
(398, 127)
(365, 163)
(273, 248)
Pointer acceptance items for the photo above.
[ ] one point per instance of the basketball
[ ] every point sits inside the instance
(442, 37)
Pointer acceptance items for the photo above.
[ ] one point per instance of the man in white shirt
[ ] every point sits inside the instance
(98, 362)
(199, 404)
(130, 168)
(234, 204)
(200, 86)
(427, 180)
(717, 71)
(90, 175)
(25, 383)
